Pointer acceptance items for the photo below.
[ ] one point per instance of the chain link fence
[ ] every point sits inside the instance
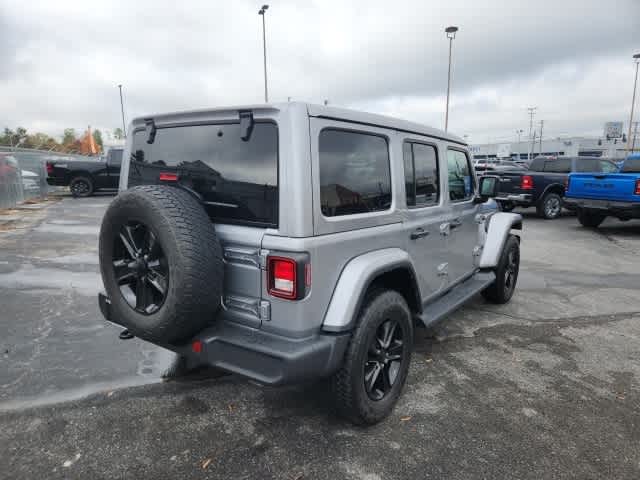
(23, 174)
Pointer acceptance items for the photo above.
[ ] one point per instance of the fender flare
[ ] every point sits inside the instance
(354, 281)
(500, 224)
(551, 186)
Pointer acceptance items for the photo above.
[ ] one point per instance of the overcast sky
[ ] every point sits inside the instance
(61, 61)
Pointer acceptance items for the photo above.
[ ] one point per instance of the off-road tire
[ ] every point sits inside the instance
(347, 385)
(590, 219)
(498, 292)
(85, 182)
(193, 255)
(550, 207)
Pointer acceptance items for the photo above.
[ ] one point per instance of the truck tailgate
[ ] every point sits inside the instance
(510, 182)
(603, 186)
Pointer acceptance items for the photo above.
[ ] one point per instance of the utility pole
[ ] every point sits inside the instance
(541, 125)
(124, 127)
(262, 13)
(532, 112)
(635, 135)
(636, 57)
(451, 34)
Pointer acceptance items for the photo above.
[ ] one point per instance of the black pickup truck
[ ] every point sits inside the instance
(543, 184)
(86, 177)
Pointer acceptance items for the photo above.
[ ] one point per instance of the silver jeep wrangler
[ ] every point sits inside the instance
(293, 242)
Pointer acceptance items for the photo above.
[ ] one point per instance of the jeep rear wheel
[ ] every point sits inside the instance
(161, 263)
(370, 381)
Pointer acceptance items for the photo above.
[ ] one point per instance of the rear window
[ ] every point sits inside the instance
(561, 165)
(631, 165)
(238, 180)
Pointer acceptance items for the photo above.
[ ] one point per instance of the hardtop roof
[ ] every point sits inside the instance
(313, 110)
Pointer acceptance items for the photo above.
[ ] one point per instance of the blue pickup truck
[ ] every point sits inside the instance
(596, 196)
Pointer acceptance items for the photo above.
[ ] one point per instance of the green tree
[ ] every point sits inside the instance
(118, 133)
(97, 138)
(69, 136)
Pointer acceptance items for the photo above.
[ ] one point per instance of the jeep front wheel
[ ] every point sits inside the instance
(501, 290)
(370, 381)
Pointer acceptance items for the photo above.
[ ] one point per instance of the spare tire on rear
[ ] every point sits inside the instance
(161, 263)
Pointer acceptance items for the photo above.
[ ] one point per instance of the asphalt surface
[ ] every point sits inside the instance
(547, 386)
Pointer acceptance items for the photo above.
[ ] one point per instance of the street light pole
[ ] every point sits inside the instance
(124, 127)
(532, 112)
(262, 12)
(451, 34)
(633, 100)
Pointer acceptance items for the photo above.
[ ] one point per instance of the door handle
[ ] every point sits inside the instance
(418, 233)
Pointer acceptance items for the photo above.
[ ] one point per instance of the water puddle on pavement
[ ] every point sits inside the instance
(151, 369)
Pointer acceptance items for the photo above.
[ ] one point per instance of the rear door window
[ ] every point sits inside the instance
(460, 176)
(355, 174)
(237, 179)
(588, 165)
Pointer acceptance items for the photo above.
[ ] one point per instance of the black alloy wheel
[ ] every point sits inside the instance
(511, 272)
(384, 359)
(140, 268)
(81, 187)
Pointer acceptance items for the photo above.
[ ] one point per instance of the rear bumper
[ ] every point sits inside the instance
(609, 207)
(518, 198)
(264, 357)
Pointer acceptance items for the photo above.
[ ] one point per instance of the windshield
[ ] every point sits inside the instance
(237, 179)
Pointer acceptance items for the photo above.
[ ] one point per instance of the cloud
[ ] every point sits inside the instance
(61, 61)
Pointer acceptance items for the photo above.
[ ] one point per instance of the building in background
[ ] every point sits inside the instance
(612, 144)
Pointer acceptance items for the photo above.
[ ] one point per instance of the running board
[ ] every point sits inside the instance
(455, 298)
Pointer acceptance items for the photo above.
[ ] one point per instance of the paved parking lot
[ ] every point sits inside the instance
(547, 386)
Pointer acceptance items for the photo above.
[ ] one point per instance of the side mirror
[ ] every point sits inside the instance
(488, 188)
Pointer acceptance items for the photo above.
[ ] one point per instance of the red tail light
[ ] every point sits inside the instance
(282, 274)
(168, 177)
(637, 192)
(526, 182)
(49, 166)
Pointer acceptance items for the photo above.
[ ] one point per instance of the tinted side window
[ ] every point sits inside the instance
(537, 165)
(115, 157)
(354, 173)
(561, 165)
(587, 165)
(607, 167)
(421, 174)
(460, 176)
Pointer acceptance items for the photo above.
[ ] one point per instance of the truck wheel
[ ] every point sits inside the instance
(161, 263)
(590, 219)
(81, 186)
(369, 383)
(550, 207)
(502, 289)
